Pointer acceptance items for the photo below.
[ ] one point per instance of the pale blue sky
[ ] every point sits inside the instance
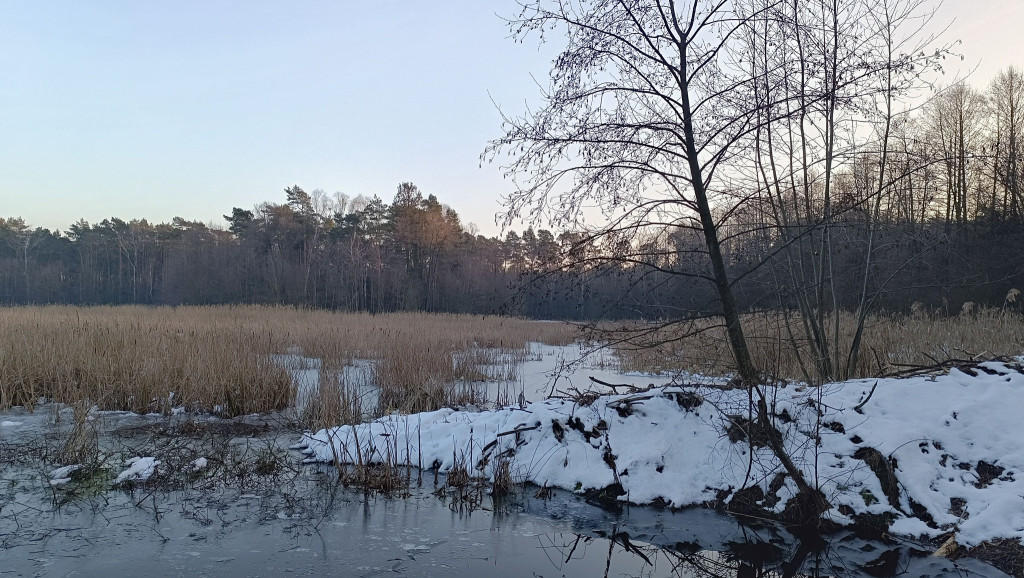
(189, 108)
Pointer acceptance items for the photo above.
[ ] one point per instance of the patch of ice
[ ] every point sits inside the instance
(7, 423)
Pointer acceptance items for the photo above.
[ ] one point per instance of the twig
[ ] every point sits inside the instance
(914, 369)
(860, 405)
(517, 430)
(629, 400)
(631, 388)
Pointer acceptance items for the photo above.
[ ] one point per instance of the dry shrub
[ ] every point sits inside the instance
(458, 476)
(139, 359)
(465, 490)
(779, 348)
(377, 477)
(413, 374)
(81, 446)
(365, 466)
(221, 358)
(416, 375)
(504, 484)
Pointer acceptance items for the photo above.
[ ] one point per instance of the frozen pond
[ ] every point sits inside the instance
(256, 511)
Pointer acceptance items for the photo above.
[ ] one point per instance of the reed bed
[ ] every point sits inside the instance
(222, 358)
(890, 342)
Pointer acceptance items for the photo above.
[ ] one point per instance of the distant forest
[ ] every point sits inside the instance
(414, 254)
(947, 229)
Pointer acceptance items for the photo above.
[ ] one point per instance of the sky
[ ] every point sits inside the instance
(156, 109)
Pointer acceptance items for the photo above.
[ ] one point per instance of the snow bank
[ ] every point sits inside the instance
(953, 440)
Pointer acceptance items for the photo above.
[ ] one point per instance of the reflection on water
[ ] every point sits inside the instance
(356, 535)
(240, 521)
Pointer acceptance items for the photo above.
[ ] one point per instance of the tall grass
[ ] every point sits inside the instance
(221, 358)
(889, 343)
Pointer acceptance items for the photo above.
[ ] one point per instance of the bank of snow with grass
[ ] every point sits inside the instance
(952, 442)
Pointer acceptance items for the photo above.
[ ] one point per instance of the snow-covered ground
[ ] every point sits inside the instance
(952, 440)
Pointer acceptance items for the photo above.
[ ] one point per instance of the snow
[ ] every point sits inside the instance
(61, 476)
(65, 471)
(936, 431)
(139, 469)
(8, 423)
(198, 464)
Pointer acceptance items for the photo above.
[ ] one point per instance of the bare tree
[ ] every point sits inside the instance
(1006, 97)
(648, 111)
(23, 239)
(644, 111)
(956, 122)
(836, 69)
(683, 115)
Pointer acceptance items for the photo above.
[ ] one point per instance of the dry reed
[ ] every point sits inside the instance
(503, 484)
(889, 342)
(221, 358)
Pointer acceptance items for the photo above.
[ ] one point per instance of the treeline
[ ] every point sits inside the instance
(362, 254)
(312, 250)
(928, 211)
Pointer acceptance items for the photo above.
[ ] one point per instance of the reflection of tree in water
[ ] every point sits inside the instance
(753, 558)
(683, 559)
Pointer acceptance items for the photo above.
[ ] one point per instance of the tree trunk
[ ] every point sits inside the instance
(737, 341)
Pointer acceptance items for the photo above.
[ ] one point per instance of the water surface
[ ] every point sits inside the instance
(259, 512)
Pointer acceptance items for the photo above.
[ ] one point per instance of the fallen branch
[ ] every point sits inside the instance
(945, 365)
